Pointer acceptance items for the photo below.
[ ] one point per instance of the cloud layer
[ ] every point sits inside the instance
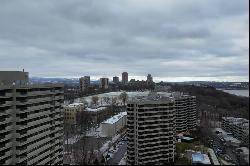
(171, 39)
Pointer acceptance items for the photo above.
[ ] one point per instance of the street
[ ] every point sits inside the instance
(119, 154)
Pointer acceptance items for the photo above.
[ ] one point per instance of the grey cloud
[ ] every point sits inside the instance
(172, 38)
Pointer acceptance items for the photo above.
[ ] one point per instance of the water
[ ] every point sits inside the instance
(244, 93)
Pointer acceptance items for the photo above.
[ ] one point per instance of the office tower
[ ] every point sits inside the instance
(149, 79)
(31, 121)
(104, 83)
(239, 127)
(186, 114)
(116, 80)
(84, 83)
(124, 78)
(150, 130)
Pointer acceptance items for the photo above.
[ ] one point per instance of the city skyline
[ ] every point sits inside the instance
(172, 40)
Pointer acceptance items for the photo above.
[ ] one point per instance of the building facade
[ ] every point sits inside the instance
(70, 113)
(116, 80)
(124, 78)
(149, 79)
(84, 83)
(111, 126)
(239, 127)
(150, 131)
(186, 114)
(31, 122)
(104, 83)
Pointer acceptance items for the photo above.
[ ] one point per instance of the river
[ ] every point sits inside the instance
(244, 93)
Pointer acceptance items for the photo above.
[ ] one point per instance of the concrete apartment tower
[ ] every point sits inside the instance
(116, 80)
(31, 121)
(186, 114)
(124, 78)
(84, 83)
(151, 130)
(104, 83)
(149, 79)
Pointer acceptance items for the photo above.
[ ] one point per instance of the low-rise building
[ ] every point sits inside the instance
(239, 127)
(70, 112)
(111, 126)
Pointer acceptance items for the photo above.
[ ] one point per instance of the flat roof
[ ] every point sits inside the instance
(115, 118)
(95, 109)
(75, 105)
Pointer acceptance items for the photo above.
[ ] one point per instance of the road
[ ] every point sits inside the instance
(119, 154)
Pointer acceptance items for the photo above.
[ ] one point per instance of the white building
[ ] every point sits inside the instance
(31, 121)
(150, 130)
(114, 124)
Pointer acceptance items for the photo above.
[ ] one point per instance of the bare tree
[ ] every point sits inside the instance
(107, 100)
(95, 100)
(114, 100)
(123, 96)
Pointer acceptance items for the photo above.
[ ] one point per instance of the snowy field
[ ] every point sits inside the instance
(88, 99)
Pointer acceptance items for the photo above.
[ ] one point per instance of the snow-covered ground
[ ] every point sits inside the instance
(116, 95)
(73, 140)
(108, 149)
(123, 160)
(96, 133)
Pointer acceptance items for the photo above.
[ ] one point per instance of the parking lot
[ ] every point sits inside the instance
(223, 150)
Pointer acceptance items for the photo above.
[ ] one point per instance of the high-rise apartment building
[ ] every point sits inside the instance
(31, 121)
(104, 83)
(151, 130)
(149, 79)
(124, 78)
(186, 114)
(84, 83)
(116, 80)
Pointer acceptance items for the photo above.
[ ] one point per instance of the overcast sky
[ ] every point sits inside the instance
(174, 40)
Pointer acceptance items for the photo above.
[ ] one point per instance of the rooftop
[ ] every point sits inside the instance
(241, 122)
(115, 118)
(75, 105)
(227, 136)
(95, 109)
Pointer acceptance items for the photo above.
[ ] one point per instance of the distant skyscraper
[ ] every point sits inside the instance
(84, 83)
(116, 80)
(31, 121)
(124, 77)
(149, 79)
(150, 131)
(104, 83)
